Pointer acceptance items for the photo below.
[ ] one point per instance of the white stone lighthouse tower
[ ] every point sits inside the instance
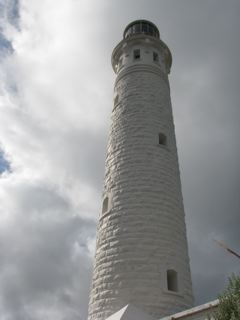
(142, 253)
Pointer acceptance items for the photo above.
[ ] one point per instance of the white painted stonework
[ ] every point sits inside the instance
(141, 232)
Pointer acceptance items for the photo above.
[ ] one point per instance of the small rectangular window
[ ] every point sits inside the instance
(105, 205)
(136, 54)
(162, 139)
(116, 99)
(172, 281)
(155, 57)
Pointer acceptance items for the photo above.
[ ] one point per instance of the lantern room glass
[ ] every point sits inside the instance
(141, 27)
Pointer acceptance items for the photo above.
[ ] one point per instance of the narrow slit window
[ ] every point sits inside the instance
(172, 280)
(136, 54)
(116, 100)
(155, 57)
(162, 139)
(105, 205)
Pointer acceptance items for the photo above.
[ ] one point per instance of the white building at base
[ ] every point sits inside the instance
(202, 312)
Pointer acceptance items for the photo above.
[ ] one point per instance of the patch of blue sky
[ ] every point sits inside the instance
(5, 45)
(4, 164)
(9, 10)
(9, 13)
(5, 50)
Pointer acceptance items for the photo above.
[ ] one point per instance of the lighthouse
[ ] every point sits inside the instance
(141, 251)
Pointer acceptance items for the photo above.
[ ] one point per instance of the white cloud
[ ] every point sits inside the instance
(52, 132)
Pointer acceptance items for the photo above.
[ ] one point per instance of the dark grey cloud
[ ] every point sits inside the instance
(206, 286)
(44, 256)
(206, 105)
(208, 140)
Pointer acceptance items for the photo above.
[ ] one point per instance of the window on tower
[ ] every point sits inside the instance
(155, 57)
(116, 100)
(162, 139)
(136, 54)
(172, 281)
(105, 205)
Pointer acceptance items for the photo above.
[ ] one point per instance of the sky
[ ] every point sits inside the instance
(56, 93)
